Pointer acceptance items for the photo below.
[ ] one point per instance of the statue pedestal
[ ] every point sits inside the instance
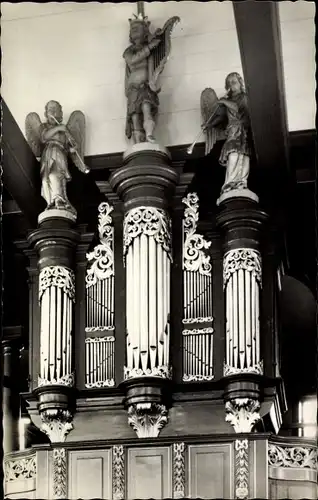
(145, 146)
(237, 193)
(57, 213)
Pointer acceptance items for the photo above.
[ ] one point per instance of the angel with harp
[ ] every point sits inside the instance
(52, 142)
(145, 59)
(228, 118)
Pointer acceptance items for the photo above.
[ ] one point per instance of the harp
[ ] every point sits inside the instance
(160, 54)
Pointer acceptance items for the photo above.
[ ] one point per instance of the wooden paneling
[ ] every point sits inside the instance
(293, 490)
(210, 471)
(90, 474)
(149, 473)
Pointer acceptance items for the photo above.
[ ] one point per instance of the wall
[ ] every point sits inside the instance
(72, 52)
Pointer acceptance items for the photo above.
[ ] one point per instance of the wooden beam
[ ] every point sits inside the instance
(20, 169)
(258, 31)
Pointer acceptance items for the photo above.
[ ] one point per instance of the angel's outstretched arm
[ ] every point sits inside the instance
(229, 104)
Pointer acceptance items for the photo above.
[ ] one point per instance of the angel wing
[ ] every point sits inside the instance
(214, 115)
(160, 54)
(76, 127)
(33, 126)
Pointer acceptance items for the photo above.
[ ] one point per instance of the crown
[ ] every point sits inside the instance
(139, 19)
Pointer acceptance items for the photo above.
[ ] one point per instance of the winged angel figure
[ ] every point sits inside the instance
(145, 59)
(228, 118)
(52, 142)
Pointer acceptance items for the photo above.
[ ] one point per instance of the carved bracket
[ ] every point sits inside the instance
(57, 424)
(242, 414)
(147, 419)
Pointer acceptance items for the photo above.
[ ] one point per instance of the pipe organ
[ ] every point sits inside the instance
(56, 297)
(242, 280)
(99, 342)
(197, 298)
(147, 253)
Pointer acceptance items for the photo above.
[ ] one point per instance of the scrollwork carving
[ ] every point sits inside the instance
(147, 419)
(150, 221)
(242, 414)
(242, 258)
(189, 321)
(58, 276)
(57, 424)
(118, 473)
(102, 257)
(197, 378)
(178, 470)
(241, 469)
(194, 257)
(157, 371)
(231, 370)
(20, 468)
(59, 473)
(292, 456)
(198, 331)
(67, 380)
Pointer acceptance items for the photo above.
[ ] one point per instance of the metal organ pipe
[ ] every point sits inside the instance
(242, 281)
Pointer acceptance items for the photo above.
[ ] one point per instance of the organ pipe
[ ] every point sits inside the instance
(242, 283)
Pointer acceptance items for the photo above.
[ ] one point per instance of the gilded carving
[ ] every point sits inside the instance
(118, 473)
(242, 258)
(150, 221)
(147, 419)
(58, 276)
(20, 468)
(292, 456)
(242, 414)
(178, 470)
(194, 257)
(241, 469)
(56, 424)
(59, 473)
(102, 257)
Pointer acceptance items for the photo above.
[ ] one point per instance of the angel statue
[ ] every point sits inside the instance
(228, 118)
(53, 142)
(145, 59)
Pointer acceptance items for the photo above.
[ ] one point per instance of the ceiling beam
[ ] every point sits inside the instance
(258, 31)
(20, 168)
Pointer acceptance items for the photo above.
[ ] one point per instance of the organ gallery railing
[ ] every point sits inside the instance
(197, 298)
(100, 310)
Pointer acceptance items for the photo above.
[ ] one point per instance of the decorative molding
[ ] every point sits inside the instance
(59, 276)
(66, 380)
(147, 419)
(96, 340)
(241, 469)
(59, 473)
(242, 258)
(101, 383)
(194, 257)
(190, 321)
(178, 470)
(197, 378)
(149, 221)
(118, 472)
(93, 329)
(198, 331)
(157, 371)
(20, 468)
(231, 370)
(102, 257)
(242, 414)
(56, 424)
(295, 456)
